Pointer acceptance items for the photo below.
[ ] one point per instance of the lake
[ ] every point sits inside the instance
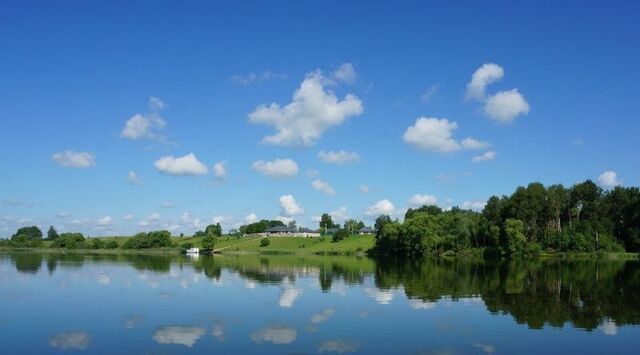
(61, 303)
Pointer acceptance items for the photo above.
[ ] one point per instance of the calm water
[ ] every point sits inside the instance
(59, 303)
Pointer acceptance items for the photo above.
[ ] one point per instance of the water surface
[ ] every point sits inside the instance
(61, 303)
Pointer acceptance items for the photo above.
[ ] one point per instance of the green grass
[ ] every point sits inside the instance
(301, 246)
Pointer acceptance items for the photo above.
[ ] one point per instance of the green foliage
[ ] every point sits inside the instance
(514, 231)
(156, 239)
(264, 242)
(97, 243)
(24, 241)
(69, 241)
(112, 244)
(326, 222)
(52, 234)
(353, 225)
(209, 241)
(341, 234)
(259, 227)
(32, 233)
(213, 230)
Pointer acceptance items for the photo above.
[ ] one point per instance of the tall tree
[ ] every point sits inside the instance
(52, 233)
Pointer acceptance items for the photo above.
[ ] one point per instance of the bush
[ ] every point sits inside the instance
(156, 239)
(339, 235)
(112, 244)
(24, 241)
(69, 241)
(97, 243)
(265, 242)
(209, 241)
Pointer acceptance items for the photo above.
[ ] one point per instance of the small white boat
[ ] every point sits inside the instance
(193, 251)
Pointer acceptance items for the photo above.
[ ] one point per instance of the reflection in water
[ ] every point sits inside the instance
(337, 301)
(338, 346)
(276, 334)
(77, 340)
(180, 335)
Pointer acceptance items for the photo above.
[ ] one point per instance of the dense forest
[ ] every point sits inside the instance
(534, 219)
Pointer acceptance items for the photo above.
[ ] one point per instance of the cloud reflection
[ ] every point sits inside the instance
(416, 303)
(288, 296)
(276, 334)
(181, 335)
(338, 346)
(77, 340)
(381, 296)
(609, 327)
(322, 316)
(487, 348)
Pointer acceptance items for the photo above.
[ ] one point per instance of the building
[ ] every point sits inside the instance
(365, 230)
(282, 231)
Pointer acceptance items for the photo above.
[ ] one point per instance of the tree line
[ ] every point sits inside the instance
(534, 219)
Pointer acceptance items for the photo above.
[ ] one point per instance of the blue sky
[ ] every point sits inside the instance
(546, 91)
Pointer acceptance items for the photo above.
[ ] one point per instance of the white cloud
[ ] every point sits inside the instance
(436, 134)
(380, 208)
(471, 143)
(145, 125)
(312, 111)
(128, 217)
(104, 221)
(279, 168)
(426, 96)
(340, 215)
(284, 219)
(77, 340)
(150, 219)
(180, 335)
(364, 189)
(609, 179)
(72, 159)
(191, 222)
(473, 205)
(257, 78)
(418, 200)
(487, 156)
(323, 186)
(503, 106)
(340, 157)
(167, 204)
(289, 206)
(483, 76)
(276, 334)
(220, 169)
(186, 165)
(251, 218)
(506, 105)
(345, 73)
(133, 178)
(312, 173)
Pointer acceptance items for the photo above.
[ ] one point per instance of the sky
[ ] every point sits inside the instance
(125, 116)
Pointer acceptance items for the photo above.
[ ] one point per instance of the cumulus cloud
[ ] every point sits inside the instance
(322, 316)
(435, 134)
(150, 219)
(381, 207)
(487, 156)
(180, 166)
(506, 105)
(180, 335)
(340, 215)
(323, 186)
(73, 159)
(473, 205)
(313, 110)
(338, 346)
(418, 200)
(279, 168)
(503, 106)
(77, 340)
(251, 218)
(609, 179)
(220, 169)
(345, 73)
(340, 157)
(257, 78)
(276, 334)
(488, 73)
(133, 178)
(145, 126)
(289, 206)
(104, 221)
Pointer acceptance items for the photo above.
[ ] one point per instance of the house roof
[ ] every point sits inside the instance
(280, 229)
(365, 230)
(307, 230)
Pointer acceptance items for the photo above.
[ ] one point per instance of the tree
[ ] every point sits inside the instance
(52, 234)
(213, 230)
(326, 222)
(514, 231)
(208, 241)
(31, 233)
(340, 235)
(429, 209)
(352, 225)
(292, 224)
(265, 242)
(380, 222)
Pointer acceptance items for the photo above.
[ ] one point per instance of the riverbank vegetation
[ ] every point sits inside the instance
(535, 219)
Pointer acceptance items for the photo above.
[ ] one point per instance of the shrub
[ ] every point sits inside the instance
(69, 241)
(265, 242)
(339, 235)
(112, 244)
(24, 241)
(156, 239)
(97, 243)
(209, 241)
